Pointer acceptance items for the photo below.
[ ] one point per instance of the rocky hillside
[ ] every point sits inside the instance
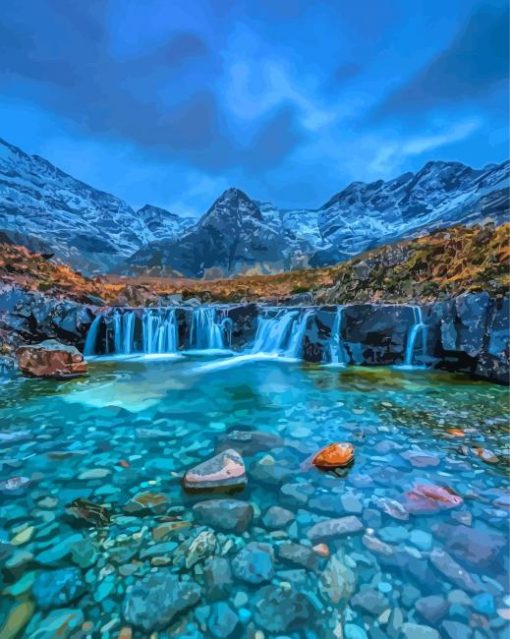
(45, 209)
(443, 264)
(49, 211)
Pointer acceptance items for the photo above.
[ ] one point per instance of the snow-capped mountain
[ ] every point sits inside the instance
(48, 210)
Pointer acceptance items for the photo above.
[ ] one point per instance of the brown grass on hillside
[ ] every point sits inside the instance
(446, 262)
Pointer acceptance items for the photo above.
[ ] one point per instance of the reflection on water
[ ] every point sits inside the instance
(429, 486)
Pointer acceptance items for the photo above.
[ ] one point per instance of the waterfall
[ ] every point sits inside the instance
(295, 346)
(419, 327)
(272, 332)
(159, 331)
(336, 347)
(206, 331)
(91, 339)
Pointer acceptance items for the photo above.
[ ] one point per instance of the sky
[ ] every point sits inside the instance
(170, 102)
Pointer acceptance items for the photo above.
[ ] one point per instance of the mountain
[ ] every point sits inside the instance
(48, 210)
(232, 237)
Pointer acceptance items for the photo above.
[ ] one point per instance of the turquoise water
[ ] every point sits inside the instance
(136, 425)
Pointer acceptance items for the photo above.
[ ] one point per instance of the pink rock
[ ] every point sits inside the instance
(51, 359)
(225, 470)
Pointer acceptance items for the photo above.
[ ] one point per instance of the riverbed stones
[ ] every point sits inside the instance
(61, 623)
(278, 609)
(56, 588)
(195, 549)
(146, 503)
(154, 601)
(369, 601)
(417, 631)
(277, 517)
(337, 581)
(450, 569)
(337, 455)
(218, 578)
(51, 359)
(229, 515)
(17, 619)
(223, 621)
(432, 609)
(335, 528)
(299, 555)
(254, 563)
(223, 471)
(249, 442)
(481, 549)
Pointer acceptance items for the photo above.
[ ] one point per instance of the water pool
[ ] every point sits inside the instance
(422, 551)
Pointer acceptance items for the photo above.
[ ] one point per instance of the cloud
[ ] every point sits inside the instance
(393, 154)
(469, 69)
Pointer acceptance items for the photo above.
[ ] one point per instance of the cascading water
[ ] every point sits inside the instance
(295, 347)
(336, 347)
(159, 331)
(207, 328)
(272, 332)
(91, 339)
(418, 328)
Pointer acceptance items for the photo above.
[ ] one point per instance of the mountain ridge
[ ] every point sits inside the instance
(47, 209)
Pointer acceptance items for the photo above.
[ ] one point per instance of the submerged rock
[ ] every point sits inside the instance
(225, 470)
(281, 610)
(423, 498)
(146, 503)
(154, 601)
(87, 512)
(61, 623)
(196, 548)
(231, 515)
(54, 588)
(337, 455)
(277, 517)
(254, 563)
(51, 359)
(333, 528)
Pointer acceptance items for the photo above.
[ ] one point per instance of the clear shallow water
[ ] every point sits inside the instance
(136, 425)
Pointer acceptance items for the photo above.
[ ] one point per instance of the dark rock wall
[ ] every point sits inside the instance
(469, 333)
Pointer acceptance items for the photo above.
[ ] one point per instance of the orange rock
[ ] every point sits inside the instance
(486, 455)
(322, 550)
(334, 456)
(51, 359)
(455, 432)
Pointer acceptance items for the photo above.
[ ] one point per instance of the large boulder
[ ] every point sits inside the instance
(51, 359)
(223, 471)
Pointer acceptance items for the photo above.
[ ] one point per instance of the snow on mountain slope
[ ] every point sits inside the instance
(43, 207)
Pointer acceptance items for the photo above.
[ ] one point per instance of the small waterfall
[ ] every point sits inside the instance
(159, 331)
(91, 339)
(418, 328)
(272, 332)
(295, 346)
(206, 331)
(336, 346)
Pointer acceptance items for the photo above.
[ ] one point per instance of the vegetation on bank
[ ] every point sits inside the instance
(444, 263)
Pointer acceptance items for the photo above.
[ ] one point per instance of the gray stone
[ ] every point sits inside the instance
(448, 567)
(276, 517)
(281, 610)
(222, 621)
(370, 601)
(335, 528)
(432, 609)
(416, 631)
(195, 549)
(393, 534)
(338, 581)
(254, 563)
(154, 601)
(56, 588)
(218, 578)
(299, 555)
(230, 515)
(456, 630)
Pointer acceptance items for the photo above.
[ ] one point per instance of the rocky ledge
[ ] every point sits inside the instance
(51, 359)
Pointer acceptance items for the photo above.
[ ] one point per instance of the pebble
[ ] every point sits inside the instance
(421, 539)
(61, 623)
(223, 621)
(334, 528)
(254, 564)
(23, 537)
(352, 631)
(56, 588)
(370, 601)
(57, 552)
(277, 517)
(416, 631)
(95, 473)
(278, 609)
(229, 515)
(17, 618)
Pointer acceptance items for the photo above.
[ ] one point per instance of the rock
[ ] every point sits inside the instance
(480, 549)
(225, 470)
(335, 528)
(370, 601)
(338, 581)
(484, 604)
(486, 455)
(17, 618)
(95, 473)
(394, 534)
(424, 498)
(218, 578)
(61, 623)
(352, 631)
(51, 359)
(196, 548)
(23, 537)
(55, 588)
(59, 551)
(420, 458)
(84, 553)
(222, 621)
(14, 484)
(281, 610)
(268, 471)
(155, 600)
(456, 630)
(448, 567)
(276, 517)
(249, 442)
(299, 555)
(421, 539)
(415, 631)
(230, 515)
(87, 512)
(147, 503)
(392, 508)
(254, 563)
(337, 455)
(432, 609)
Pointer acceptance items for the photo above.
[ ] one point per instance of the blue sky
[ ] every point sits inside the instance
(170, 102)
